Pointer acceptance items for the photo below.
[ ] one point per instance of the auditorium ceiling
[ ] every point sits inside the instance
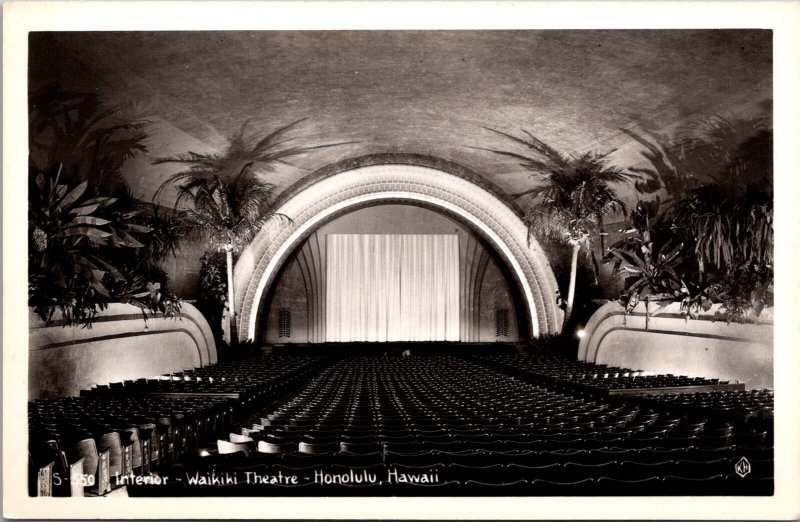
(428, 92)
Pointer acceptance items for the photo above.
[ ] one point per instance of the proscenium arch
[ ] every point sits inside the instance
(316, 277)
(315, 202)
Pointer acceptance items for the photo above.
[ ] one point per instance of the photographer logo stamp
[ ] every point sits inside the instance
(742, 467)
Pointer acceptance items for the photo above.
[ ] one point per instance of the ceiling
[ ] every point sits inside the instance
(422, 92)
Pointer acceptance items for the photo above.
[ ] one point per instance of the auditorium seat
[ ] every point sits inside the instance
(678, 442)
(642, 469)
(393, 438)
(305, 460)
(316, 448)
(446, 447)
(40, 478)
(224, 446)
(579, 470)
(473, 458)
(111, 442)
(87, 450)
(410, 447)
(553, 488)
(505, 488)
(714, 441)
(491, 474)
(416, 459)
(360, 448)
(645, 486)
(357, 460)
(275, 447)
(530, 471)
(710, 454)
(233, 437)
(752, 438)
(439, 489)
(702, 468)
(694, 485)
(133, 441)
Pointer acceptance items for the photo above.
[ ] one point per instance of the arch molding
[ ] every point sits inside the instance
(312, 204)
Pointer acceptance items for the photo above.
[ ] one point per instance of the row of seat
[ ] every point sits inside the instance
(609, 478)
(96, 439)
(739, 405)
(436, 422)
(504, 473)
(636, 440)
(134, 428)
(247, 380)
(649, 455)
(553, 366)
(591, 380)
(717, 485)
(483, 426)
(475, 423)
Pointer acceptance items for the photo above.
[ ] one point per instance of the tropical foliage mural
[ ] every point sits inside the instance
(700, 231)
(90, 241)
(713, 241)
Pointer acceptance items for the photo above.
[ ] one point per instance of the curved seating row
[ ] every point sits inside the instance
(477, 425)
(470, 424)
(596, 381)
(83, 444)
(233, 475)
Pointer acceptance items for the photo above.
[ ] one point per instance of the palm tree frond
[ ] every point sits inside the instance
(269, 141)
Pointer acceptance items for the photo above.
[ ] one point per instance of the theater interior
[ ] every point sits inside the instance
(400, 263)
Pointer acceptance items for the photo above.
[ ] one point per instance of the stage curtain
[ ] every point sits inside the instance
(386, 287)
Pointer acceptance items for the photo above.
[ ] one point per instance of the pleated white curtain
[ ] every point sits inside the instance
(385, 287)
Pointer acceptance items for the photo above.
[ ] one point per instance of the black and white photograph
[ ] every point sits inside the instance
(477, 270)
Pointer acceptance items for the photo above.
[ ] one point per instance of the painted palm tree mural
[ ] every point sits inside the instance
(574, 192)
(223, 197)
(89, 140)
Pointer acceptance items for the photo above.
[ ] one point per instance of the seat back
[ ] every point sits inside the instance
(111, 442)
(638, 486)
(136, 447)
(359, 448)
(87, 450)
(275, 447)
(225, 447)
(317, 448)
(235, 437)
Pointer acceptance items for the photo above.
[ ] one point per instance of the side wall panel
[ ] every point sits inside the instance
(118, 346)
(702, 347)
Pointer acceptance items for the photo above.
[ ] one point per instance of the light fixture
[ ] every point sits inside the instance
(580, 333)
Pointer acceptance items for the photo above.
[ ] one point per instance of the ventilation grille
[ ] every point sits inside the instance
(284, 322)
(501, 322)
